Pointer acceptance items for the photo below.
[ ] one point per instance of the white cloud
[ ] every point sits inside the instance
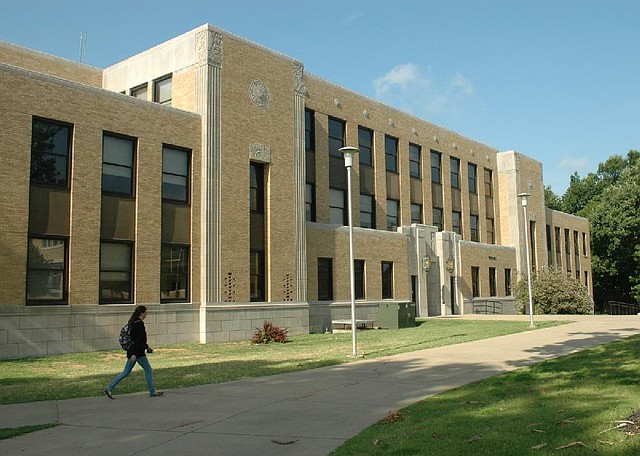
(579, 164)
(410, 88)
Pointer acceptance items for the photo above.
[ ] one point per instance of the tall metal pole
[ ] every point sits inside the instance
(524, 196)
(348, 163)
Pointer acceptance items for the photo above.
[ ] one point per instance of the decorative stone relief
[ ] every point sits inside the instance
(414, 131)
(530, 184)
(337, 103)
(209, 48)
(365, 113)
(298, 80)
(260, 152)
(259, 94)
(391, 123)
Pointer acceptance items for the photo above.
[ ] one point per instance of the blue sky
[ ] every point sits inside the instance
(558, 80)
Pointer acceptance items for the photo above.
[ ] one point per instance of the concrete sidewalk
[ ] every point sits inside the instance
(310, 412)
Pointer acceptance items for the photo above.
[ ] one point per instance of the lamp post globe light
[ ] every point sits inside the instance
(524, 201)
(348, 153)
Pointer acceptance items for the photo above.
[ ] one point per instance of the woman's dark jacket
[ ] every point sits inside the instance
(139, 337)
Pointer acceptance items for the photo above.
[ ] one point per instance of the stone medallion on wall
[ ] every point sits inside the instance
(259, 94)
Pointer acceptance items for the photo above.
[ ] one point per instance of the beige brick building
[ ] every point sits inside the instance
(202, 178)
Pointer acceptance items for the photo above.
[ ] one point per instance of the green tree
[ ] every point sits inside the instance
(551, 200)
(553, 292)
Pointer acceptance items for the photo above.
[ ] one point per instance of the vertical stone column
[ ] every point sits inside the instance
(299, 163)
(208, 87)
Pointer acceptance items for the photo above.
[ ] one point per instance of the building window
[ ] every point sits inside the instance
(309, 131)
(473, 178)
(365, 146)
(392, 214)
(325, 279)
(337, 211)
(532, 242)
(358, 269)
(549, 247)
(256, 276)
(116, 272)
(492, 282)
(507, 282)
(488, 183)
(456, 222)
(567, 248)
(174, 273)
(437, 218)
(387, 280)
(47, 268)
(584, 244)
(310, 202)
(414, 161)
(50, 153)
(162, 90)
(367, 211)
(139, 92)
(475, 281)
(491, 237)
(391, 153)
(473, 224)
(175, 174)
(455, 173)
(416, 213)
(118, 154)
(557, 242)
(336, 137)
(256, 188)
(436, 167)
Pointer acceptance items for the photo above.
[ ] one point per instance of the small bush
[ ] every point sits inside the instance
(554, 292)
(269, 333)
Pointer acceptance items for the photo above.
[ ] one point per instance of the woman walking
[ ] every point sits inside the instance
(136, 354)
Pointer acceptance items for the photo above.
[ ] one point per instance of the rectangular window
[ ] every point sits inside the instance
(473, 224)
(491, 237)
(358, 269)
(174, 273)
(367, 211)
(139, 92)
(50, 152)
(116, 272)
(492, 282)
(475, 281)
(365, 144)
(456, 222)
(256, 188)
(507, 282)
(387, 280)
(309, 131)
(416, 213)
(488, 183)
(455, 173)
(162, 90)
(47, 268)
(310, 202)
(557, 241)
(336, 137)
(118, 158)
(175, 174)
(584, 244)
(392, 214)
(337, 211)
(436, 167)
(437, 218)
(325, 279)
(391, 153)
(414, 161)
(567, 248)
(257, 276)
(549, 247)
(473, 178)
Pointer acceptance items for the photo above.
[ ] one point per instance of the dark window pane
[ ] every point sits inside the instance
(50, 151)
(325, 279)
(387, 280)
(115, 272)
(47, 271)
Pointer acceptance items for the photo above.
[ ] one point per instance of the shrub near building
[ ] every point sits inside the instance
(554, 292)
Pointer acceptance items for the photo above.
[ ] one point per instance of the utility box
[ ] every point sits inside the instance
(396, 315)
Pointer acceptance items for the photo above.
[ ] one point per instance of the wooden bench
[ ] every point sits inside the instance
(346, 323)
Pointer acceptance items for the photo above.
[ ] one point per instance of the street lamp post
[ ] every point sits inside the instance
(349, 153)
(523, 199)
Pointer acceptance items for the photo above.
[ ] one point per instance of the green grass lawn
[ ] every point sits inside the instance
(86, 374)
(569, 405)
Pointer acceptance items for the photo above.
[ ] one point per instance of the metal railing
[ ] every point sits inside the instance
(487, 307)
(623, 308)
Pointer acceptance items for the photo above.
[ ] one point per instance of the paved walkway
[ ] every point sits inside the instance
(305, 413)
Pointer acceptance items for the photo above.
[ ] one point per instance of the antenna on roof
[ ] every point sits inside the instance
(83, 46)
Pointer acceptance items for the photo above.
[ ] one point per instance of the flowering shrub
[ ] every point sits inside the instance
(269, 333)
